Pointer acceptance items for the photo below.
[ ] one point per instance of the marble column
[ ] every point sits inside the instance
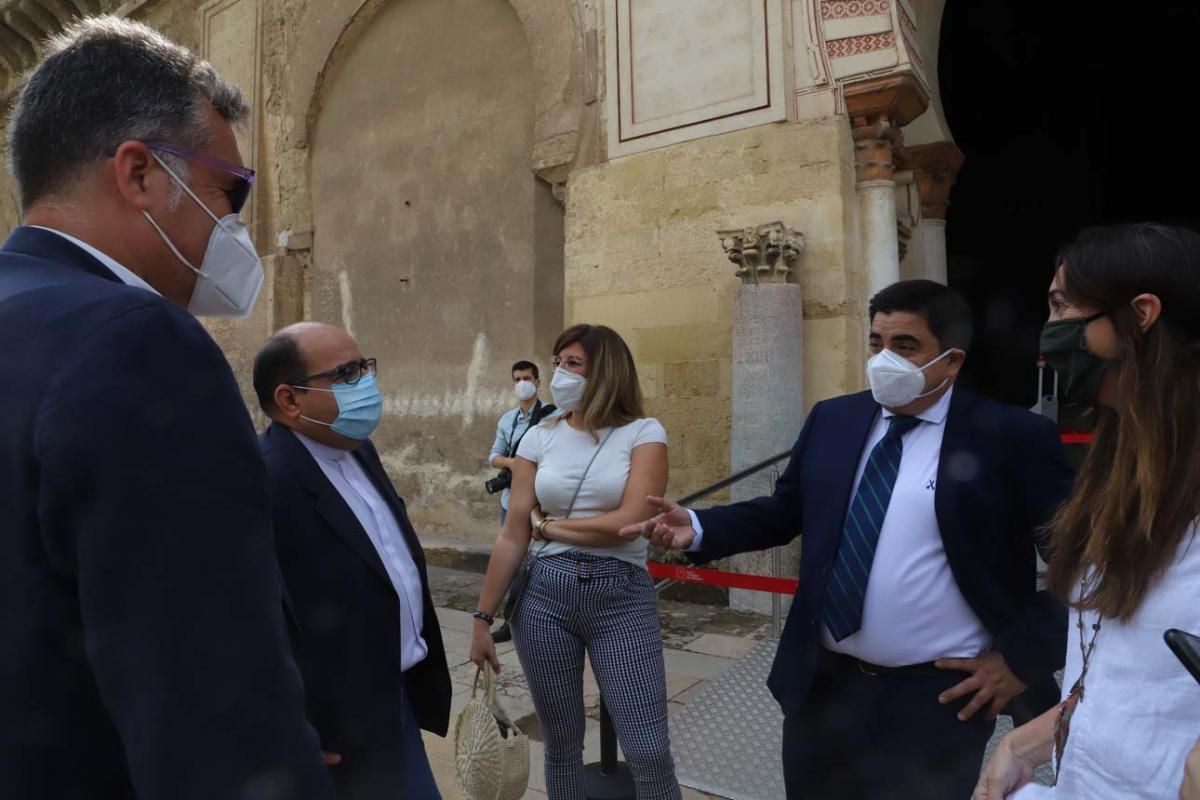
(936, 167)
(768, 378)
(873, 153)
(878, 109)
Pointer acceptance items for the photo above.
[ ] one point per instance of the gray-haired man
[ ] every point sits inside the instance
(143, 651)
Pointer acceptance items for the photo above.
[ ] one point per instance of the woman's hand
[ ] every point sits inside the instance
(1004, 774)
(536, 517)
(1191, 775)
(482, 647)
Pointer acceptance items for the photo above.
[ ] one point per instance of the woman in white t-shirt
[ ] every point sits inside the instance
(577, 481)
(1123, 337)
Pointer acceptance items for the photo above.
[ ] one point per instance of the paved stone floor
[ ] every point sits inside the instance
(701, 643)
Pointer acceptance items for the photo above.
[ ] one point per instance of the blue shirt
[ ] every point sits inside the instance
(509, 430)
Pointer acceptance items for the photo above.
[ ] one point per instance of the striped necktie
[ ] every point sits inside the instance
(847, 587)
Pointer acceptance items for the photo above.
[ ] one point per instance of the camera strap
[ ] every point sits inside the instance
(538, 413)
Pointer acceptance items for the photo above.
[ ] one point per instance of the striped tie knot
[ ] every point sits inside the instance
(899, 425)
(847, 588)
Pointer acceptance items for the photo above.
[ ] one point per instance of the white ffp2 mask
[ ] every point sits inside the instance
(895, 381)
(231, 275)
(567, 388)
(525, 390)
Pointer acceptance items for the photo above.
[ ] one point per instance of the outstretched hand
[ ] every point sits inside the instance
(670, 528)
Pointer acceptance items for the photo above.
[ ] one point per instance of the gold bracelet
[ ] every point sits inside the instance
(542, 526)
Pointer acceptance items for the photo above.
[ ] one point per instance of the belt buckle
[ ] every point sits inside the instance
(581, 573)
(862, 667)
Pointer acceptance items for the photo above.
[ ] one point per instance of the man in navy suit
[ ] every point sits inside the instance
(143, 649)
(368, 641)
(917, 618)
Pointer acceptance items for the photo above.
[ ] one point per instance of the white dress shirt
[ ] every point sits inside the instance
(914, 611)
(124, 274)
(377, 519)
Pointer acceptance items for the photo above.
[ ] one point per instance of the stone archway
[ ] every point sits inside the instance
(434, 242)
(1058, 134)
(552, 31)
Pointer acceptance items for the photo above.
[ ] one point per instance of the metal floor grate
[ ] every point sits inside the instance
(727, 740)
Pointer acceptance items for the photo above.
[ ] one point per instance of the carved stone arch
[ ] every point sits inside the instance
(931, 126)
(552, 31)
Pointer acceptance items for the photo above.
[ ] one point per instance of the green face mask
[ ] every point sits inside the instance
(1064, 346)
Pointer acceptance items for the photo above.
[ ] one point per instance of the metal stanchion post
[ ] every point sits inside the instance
(608, 779)
(776, 599)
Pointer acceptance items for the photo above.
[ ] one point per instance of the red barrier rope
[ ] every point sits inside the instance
(764, 583)
(1076, 437)
(716, 577)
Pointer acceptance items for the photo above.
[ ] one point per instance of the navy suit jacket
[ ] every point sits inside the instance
(143, 650)
(346, 610)
(1001, 475)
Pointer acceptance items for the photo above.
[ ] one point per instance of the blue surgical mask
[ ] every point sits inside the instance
(360, 407)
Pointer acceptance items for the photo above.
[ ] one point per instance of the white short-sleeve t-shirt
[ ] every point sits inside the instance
(562, 454)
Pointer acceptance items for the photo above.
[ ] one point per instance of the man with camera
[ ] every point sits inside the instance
(512, 426)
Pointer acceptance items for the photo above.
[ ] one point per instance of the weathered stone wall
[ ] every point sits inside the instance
(642, 255)
(398, 145)
(427, 216)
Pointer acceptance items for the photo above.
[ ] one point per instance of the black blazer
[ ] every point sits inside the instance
(346, 610)
(1002, 474)
(142, 640)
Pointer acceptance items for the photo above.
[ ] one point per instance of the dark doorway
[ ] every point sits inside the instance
(1069, 116)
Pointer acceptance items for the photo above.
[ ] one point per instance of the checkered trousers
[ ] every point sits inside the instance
(578, 602)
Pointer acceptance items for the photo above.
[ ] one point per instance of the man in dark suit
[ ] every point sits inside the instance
(368, 641)
(917, 618)
(143, 650)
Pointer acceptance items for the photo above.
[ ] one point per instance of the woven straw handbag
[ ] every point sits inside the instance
(491, 753)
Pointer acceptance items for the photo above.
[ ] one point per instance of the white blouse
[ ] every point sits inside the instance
(562, 454)
(1130, 735)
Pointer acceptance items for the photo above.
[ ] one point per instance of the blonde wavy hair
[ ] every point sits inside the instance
(613, 396)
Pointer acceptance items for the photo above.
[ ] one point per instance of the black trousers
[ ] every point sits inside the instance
(883, 737)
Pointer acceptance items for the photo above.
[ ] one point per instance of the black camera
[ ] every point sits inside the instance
(502, 481)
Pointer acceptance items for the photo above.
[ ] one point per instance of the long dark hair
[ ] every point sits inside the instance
(1138, 491)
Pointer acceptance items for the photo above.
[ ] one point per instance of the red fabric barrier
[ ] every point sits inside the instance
(716, 577)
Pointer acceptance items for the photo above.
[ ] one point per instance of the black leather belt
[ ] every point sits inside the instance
(842, 662)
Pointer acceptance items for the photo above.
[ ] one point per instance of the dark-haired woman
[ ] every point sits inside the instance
(1124, 335)
(578, 479)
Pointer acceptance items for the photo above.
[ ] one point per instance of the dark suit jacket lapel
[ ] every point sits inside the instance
(956, 451)
(329, 502)
(369, 459)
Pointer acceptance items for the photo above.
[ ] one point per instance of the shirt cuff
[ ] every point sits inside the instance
(697, 542)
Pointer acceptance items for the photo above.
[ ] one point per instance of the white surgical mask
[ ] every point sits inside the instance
(895, 381)
(567, 388)
(525, 390)
(231, 275)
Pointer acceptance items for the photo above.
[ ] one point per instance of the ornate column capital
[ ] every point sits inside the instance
(876, 145)
(878, 108)
(765, 254)
(936, 166)
(900, 98)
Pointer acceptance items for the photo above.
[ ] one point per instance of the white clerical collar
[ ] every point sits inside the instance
(321, 452)
(123, 273)
(936, 413)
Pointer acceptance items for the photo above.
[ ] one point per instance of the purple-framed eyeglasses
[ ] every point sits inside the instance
(245, 176)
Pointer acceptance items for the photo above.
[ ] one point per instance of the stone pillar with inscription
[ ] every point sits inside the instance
(936, 166)
(768, 377)
(878, 108)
